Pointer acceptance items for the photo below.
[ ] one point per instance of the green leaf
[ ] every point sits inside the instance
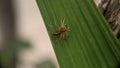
(90, 43)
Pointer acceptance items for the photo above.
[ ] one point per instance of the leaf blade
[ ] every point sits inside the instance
(90, 39)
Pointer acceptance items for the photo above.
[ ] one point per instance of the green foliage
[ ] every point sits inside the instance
(46, 64)
(9, 53)
(90, 43)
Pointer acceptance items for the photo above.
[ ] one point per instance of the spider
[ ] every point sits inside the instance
(61, 29)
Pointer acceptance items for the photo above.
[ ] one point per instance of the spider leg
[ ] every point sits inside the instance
(56, 26)
(62, 22)
(68, 29)
(62, 35)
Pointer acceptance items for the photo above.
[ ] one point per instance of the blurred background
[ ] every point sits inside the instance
(24, 42)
